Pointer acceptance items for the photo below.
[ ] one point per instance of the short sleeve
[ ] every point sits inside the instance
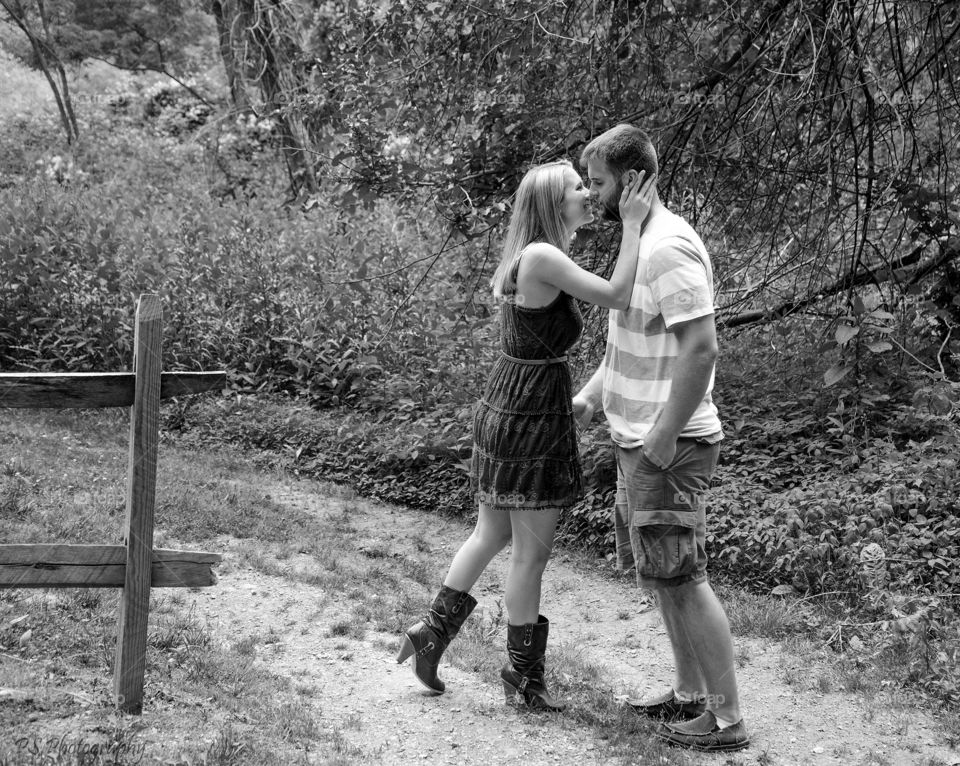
(680, 282)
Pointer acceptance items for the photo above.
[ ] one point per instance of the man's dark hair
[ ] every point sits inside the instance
(624, 147)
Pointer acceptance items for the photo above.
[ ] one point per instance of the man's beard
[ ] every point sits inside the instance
(610, 207)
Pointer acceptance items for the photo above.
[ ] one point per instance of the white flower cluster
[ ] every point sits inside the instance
(399, 147)
(261, 127)
(249, 132)
(63, 171)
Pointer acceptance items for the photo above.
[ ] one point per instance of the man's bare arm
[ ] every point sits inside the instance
(697, 341)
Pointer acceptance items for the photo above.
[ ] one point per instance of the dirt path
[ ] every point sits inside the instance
(384, 717)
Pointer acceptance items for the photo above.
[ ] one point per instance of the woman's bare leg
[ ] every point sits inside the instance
(489, 537)
(533, 533)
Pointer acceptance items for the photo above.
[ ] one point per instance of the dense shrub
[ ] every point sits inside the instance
(276, 296)
(404, 464)
(809, 530)
(173, 111)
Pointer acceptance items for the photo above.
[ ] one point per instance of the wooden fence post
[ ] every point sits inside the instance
(135, 566)
(141, 493)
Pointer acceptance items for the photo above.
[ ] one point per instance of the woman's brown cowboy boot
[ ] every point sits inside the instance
(523, 676)
(429, 638)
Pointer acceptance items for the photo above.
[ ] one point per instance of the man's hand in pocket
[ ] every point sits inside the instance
(659, 447)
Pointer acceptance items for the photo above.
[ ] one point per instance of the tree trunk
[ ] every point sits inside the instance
(272, 32)
(58, 65)
(224, 15)
(46, 56)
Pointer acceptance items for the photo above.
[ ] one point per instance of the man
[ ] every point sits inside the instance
(654, 385)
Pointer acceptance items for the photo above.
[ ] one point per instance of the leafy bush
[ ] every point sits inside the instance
(174, 111)
(403, 464)
(280, 298)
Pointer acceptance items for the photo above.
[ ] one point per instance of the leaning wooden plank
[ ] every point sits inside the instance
(141, 494)
(49, 565)
(59, 554)
(170, 569)
(182, 573)
(95, 389)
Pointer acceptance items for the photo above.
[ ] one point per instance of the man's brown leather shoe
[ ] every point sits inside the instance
(704, 735)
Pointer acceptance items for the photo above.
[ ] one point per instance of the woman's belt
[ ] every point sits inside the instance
(549, 360)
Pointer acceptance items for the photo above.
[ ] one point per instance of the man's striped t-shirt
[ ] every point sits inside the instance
(674, 284)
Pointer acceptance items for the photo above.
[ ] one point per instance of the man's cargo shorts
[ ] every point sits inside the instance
(660, 513)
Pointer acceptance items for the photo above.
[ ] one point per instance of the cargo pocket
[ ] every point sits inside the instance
(665, 543)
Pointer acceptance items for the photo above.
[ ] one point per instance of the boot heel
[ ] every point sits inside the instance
(509, 692)
(406, 649)
(427, 639)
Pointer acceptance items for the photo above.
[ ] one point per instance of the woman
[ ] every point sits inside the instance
(525, 446)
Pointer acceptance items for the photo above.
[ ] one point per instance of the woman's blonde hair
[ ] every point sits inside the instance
(537, 217)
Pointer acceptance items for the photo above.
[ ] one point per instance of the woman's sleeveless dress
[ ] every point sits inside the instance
(525, 440)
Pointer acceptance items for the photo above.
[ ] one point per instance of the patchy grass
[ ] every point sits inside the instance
(62, 479)
(63, 474)
(54, 636)
(763, 617)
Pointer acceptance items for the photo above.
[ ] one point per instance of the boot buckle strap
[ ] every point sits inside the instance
(426, 649)
(522, 686)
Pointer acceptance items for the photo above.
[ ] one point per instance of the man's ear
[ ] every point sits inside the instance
(629, 177)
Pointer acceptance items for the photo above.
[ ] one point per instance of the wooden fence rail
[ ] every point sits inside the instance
(136, 566)
(94, 389)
